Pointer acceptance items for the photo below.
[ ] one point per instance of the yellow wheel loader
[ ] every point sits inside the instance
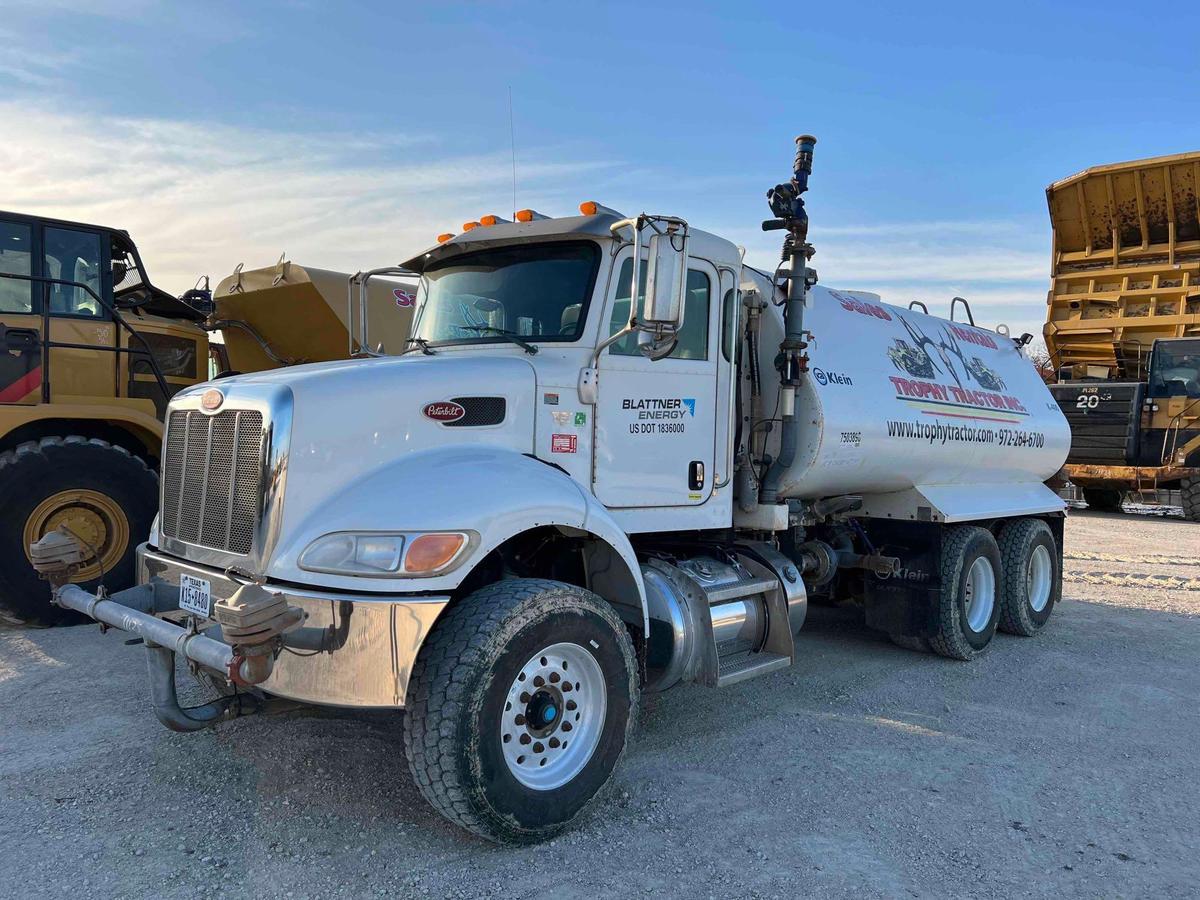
(90, 353)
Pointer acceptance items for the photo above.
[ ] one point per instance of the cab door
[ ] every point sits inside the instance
(81, 327)
(655, 421)
(20, 315)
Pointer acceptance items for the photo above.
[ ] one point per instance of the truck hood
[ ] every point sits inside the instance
(351, 418)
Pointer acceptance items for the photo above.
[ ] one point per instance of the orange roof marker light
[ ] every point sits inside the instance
(592, 208)
(529, 215)
(467, 226)
(442, 238)
(489, 221)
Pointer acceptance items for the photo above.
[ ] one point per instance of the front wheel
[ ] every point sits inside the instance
(519, 708)
(97, 491)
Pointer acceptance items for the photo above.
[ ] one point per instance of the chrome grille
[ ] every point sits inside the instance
(211, 474)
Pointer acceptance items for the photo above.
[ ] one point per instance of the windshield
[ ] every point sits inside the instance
(1176, 369)
(535, 291)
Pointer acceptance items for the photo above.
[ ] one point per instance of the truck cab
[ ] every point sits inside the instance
(91, 352)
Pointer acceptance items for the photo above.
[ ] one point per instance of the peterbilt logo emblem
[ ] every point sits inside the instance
(211, 400)
(443, 411)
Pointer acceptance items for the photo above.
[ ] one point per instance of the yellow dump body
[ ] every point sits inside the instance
(288, 314)
(1125, 264)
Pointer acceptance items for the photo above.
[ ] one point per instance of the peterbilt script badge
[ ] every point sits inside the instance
(211, 400)
(443, 411)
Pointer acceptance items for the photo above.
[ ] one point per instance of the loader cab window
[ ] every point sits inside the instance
(693, 336)
(74, 256)
(1175, 370)
(129, 284)
(16, 258)
(533, 291)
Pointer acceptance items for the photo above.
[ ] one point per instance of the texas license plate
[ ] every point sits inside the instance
(195, 595)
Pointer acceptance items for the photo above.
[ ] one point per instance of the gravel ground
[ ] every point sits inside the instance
(1062, 765)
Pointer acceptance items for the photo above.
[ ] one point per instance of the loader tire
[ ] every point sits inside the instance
(1189, 488)
(970, 596)
(1031, 578)
(519, 708)
(1103, 499)
(100, 491)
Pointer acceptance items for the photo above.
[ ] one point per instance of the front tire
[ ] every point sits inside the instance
(519, 708)
(1032, 576)
(970, 598)
(100, 491)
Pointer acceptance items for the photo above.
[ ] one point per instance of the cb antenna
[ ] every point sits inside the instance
(512, 137)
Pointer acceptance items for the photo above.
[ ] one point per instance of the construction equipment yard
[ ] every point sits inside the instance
(1062, 766)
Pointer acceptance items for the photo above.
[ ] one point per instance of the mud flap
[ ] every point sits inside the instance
(907, 603)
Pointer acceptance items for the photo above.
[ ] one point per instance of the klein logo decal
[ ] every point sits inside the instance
(443, 411)
(824, 376)
(564, 443)
(403, 297)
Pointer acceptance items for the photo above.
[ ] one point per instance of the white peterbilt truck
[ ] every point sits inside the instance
(559, 497)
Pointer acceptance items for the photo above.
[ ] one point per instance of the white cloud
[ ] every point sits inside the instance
(1000, 266)
(199, 199)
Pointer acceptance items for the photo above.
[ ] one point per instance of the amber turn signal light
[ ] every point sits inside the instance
(429, 553)
(442, 238)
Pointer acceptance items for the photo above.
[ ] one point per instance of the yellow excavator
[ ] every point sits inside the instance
(90, 354)
(1123, 327)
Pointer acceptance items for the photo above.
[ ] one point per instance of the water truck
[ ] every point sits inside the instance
(615, 458)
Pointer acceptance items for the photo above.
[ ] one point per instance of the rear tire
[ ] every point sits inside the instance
(100, 490)
(1189, 488)
(970, 596)
(1032, 576)
(1103, 499)
(519, 708)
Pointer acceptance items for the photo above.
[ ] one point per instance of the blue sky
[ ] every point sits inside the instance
(348, 134)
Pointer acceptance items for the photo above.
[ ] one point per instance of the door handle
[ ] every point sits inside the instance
(18, 338)
(696, 475)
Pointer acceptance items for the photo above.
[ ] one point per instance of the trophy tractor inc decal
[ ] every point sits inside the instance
(659, 415)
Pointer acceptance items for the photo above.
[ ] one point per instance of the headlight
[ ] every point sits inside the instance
(383, 554)
(347, 553)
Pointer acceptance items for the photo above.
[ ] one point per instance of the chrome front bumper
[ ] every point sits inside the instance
(375, 638)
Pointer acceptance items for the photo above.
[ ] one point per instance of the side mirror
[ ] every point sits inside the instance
(666, 269)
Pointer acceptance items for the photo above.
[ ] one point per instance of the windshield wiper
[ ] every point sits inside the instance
(504, 333)
(423, 344)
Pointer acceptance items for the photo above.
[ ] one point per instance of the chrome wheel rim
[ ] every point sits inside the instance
(1039, 578)
(979, 594)
(553, 716)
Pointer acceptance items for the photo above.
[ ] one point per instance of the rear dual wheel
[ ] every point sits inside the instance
(1011, 582)
(1032, 576)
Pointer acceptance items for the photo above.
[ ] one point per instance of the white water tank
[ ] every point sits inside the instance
(896, 399)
